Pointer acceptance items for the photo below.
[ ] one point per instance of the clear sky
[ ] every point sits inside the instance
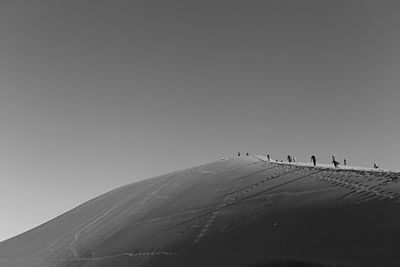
(97, 94)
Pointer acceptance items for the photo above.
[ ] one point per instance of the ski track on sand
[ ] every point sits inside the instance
(126, 254)
(230, 200)
(227, 200)
(208, 224)
(124, 200)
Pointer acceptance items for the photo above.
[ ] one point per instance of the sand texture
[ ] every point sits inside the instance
(233, 212)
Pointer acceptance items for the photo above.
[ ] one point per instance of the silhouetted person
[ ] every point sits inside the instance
(294, 159)
(247, 154)
(314, 160)
(238, 154)
(268, 157)
(289, 158)
(345, 162)
(335, 163)
(376, 166)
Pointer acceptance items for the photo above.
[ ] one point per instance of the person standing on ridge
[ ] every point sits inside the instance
(269, 157)
(314, 160)
(345, 162)
(335, 163)
(376, 166)
(238, 154)
(289, 158)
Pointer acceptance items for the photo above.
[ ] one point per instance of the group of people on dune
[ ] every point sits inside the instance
(291, 159)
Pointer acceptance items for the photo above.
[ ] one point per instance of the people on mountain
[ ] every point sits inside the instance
(336, 164)
(376, 166)
(334, 161)
(314, 160)
(293, 159)
(345, 162)
(238, 154)
(268, 157)
(289, 158)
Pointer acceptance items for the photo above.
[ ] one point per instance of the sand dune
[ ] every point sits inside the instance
(235, 212)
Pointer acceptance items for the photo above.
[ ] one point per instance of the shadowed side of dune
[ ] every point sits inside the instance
(301, 264)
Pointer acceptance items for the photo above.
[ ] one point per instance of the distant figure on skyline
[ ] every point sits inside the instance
(294, 159)
(289, 158)
(345, 162)
(335, 163)
(247, 154)
(238, 154)
(314, 160)
(269, 157)
(376, 166)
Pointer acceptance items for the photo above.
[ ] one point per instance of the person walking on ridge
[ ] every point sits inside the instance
(314, 160)
(335, 163)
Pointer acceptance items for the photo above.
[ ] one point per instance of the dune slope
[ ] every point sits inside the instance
(235, 212)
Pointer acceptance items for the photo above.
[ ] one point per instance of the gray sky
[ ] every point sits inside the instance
(98, 94)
